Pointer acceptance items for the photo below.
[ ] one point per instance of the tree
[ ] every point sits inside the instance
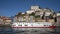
(20, 13)
(51, 16)
(59, 11)
(43, 15)
(55, 19)
(38, 16)
(32, 14)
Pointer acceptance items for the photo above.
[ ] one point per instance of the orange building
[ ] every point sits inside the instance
(5, 20)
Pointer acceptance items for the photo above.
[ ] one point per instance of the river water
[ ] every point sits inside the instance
(9, 30)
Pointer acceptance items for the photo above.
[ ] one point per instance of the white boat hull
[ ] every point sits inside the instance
(32, 25)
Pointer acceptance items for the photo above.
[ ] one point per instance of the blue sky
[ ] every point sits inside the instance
(11, 7)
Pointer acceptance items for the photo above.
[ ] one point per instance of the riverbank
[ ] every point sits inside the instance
(6, 25)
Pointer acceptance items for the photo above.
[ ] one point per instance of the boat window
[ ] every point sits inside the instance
(14, 25)
(26, 25)
(19, 25)
(44, 25)
(31, 25)
(47, 25)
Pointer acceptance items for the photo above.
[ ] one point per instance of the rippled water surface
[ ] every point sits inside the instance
(4, 30)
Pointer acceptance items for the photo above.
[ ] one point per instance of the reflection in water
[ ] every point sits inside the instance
(4, 30)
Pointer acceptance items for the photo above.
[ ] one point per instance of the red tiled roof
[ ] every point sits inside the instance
(5, 18)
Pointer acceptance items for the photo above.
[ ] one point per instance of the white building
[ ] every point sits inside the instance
(48, 12)
(39, 12)
(31, 19)
(15, 19)
(30, 11)
(1, 21)
(58, 14)
(34, 7)
(23, 13)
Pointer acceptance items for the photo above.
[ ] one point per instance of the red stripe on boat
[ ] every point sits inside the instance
(33, 27)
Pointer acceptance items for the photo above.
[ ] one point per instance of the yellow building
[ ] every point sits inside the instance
(51, 20)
